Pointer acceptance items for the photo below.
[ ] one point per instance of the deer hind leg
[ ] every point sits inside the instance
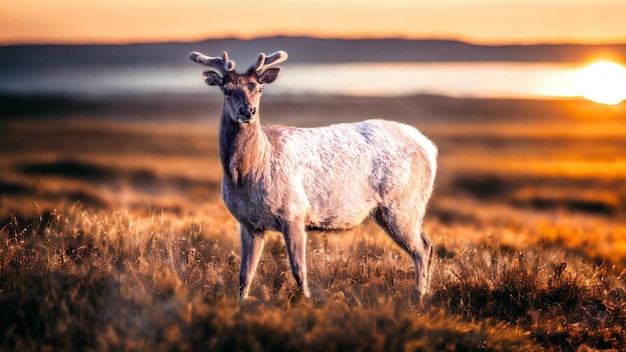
(408, 234)
(295, 239)
(251, 248)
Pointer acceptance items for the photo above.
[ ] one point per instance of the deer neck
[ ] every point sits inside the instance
(242, 149)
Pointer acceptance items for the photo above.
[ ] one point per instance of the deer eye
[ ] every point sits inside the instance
(261, 89)
(226, 90)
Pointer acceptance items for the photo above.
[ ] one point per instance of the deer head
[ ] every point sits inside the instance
(242, 91)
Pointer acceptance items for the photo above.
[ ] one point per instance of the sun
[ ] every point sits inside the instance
(603, 82)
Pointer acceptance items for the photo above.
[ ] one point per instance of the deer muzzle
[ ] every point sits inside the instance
(246, 114)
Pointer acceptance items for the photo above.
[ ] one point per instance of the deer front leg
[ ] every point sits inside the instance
(295, 239)
(251, 248)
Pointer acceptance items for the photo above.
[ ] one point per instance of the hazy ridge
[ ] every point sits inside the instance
(300, 49)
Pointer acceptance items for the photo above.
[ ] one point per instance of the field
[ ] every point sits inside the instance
(113, 235)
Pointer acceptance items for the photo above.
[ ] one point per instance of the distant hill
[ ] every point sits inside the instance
(300, 49)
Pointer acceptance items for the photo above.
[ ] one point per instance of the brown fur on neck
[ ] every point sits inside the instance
(242, 149)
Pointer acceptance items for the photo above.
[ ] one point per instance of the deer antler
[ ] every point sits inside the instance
(221, 65)
(264, 62)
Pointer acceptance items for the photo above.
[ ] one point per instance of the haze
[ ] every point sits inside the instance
(478, 21)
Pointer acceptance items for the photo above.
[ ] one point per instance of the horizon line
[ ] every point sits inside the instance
(317, 37)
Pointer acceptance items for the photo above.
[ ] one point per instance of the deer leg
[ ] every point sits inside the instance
(295, 239)
(409, 236)
(251, 248)
(429, 261)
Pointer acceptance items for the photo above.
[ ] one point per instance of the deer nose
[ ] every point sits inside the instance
(247, 112)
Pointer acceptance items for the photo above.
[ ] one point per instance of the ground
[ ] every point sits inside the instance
(113, 234)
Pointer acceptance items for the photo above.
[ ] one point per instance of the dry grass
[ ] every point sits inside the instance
(113, 237)
(109, 280)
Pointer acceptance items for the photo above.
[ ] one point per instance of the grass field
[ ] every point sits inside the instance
(113, 234)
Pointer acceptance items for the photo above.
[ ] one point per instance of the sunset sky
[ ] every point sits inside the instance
(478, 21)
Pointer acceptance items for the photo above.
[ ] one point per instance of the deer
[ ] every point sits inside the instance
(294, 180)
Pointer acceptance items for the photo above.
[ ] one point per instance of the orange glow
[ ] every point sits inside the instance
(480, 21)
(602, 82)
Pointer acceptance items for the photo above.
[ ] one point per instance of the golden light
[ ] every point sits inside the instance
(603, 82)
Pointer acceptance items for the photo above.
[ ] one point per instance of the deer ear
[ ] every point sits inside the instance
(212, 78)
(269, 75)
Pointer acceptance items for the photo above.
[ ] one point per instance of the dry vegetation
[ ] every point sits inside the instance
(113, 235)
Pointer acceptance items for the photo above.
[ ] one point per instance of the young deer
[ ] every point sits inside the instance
(329, 178)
